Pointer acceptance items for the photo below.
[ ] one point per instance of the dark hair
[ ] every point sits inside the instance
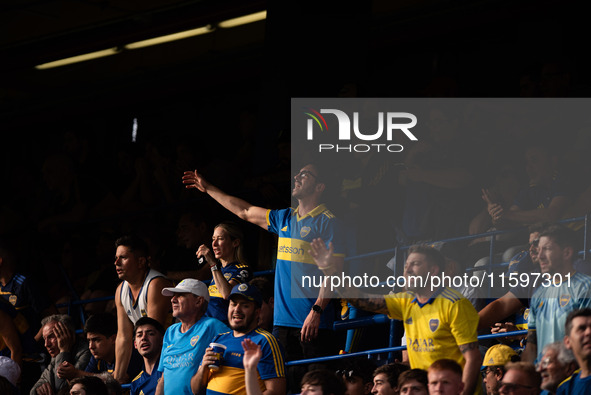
(392, 371)
(327, 380)
(432, 254)
(568, 326)
(561, 235)
(447, 364)
(149, 321)
(419, 375)
(358, 367)
(92, 385)
(136, 244)
(529, 369)
(101, 323)
(264, 285)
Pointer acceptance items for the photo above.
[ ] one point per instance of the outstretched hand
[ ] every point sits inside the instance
(192, 179)
(252, 354)
(321, 255)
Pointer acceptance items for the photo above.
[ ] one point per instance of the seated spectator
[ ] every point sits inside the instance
(520, 378)
(577, 329)
(413, 382)
(231, 270)
(445, 378)
(493, 366)
(101, 333)
(88, 385)
(63, 345)
(557, 364)
(148, 335)
(245, 306)
(357, 374)
(185, 342)
(385, 378)
(138, 295)
(266, 287)
(545, 198)
(322, 382)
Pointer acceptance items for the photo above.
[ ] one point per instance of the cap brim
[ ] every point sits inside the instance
(172, 291)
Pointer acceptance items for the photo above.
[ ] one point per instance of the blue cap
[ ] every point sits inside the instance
(249, 292)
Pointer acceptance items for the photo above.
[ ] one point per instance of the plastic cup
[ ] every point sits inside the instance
(219, 350)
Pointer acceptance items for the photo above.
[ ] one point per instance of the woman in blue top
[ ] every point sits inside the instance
(228, 267)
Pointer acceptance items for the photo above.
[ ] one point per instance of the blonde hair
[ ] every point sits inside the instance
(234, 233)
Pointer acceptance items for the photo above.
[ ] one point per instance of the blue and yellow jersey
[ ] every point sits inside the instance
(218, 306)
(434, 330)
(229, 379)
(144, 383)
(294, 295)
(550, 306)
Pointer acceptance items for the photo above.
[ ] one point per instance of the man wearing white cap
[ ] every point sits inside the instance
(185, 342)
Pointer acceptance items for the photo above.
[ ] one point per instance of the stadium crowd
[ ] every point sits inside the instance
(182, 314)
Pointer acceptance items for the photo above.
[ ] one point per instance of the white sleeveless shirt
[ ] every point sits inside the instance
(139, 309)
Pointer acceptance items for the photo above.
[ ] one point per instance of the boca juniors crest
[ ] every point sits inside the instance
(433, 324)
(564, 299)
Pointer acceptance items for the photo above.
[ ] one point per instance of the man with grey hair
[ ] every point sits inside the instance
(185, 342)
(557, 363)
(63, 345)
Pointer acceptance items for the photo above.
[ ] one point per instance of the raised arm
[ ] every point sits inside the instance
(124, 340)
(498, 309)
(241, 208)
(251, 358)
(332, 265)
(9, 333)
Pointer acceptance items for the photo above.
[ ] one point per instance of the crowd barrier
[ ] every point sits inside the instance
(399, 253)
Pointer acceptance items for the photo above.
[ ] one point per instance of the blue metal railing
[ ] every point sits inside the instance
(380, 318)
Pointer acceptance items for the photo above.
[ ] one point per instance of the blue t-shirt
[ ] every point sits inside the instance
(550, 306)
(575, 385)
(292, 300)
(229, 379)
(218, 306)
(144, 383)
(539, 196)
(182, 353)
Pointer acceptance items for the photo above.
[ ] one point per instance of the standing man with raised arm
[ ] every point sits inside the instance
(302, 321)
(138, 295)
(438, 321)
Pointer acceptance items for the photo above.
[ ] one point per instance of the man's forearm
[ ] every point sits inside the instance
(198, 380)
(531, 347)
(471, 370)
(122, 357)
(498, 309)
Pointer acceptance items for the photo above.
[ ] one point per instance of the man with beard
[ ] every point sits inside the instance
(563, 290)
(148, 334)
(439, 322)
(243, 316)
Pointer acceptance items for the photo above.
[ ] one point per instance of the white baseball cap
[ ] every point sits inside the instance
(188, 285)
(10, 370)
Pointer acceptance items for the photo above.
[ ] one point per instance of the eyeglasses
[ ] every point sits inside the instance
(534, 243)
(505, 387)
(543, 364)
(486, 371)
(305, 174)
